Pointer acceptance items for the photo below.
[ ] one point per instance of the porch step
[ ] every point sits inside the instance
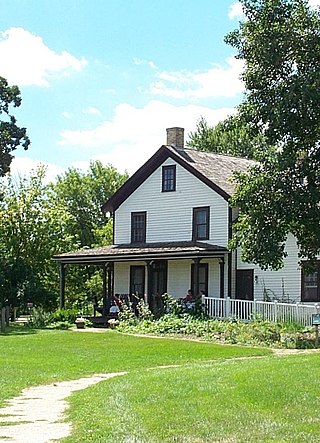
(101, 321)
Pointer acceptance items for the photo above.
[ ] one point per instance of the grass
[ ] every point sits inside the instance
(42, 356)
(266, 400)
(210, 396)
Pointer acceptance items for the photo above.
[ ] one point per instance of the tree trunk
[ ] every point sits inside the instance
(3, 319)
(7, 314)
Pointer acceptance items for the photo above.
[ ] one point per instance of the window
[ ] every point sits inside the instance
(199, 282)
(137, 280)
(168, 178)
(310, 285)
(138, 227)
(200, 230)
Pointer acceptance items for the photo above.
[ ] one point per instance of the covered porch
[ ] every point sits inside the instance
(150, 270)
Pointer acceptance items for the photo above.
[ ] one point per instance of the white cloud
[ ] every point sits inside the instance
(217, 81)
(66, 114)
(134, 134)
(236, 11)
(22, 167)
(26, 60)
(314, 3)
(110, 91)
(139, 61)
(92, 111)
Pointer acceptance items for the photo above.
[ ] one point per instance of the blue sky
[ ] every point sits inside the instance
(103, 79)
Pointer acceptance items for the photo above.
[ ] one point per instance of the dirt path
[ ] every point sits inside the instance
(36, 415)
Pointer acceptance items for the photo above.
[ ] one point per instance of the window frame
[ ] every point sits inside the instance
(134, 272)
(304, 296)
(196, 225)
(202, 285)
(135, 229)
(169, 184)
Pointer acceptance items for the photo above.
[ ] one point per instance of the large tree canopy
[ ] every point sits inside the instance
(232, 136)
(11, 136)
(279, 41)
(33, 227)
(83, 195)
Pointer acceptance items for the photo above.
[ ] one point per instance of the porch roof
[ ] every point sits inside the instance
(145, 251)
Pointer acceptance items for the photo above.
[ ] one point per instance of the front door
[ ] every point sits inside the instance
(244, 284)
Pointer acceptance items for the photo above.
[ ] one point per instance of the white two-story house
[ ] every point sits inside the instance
(172, 224)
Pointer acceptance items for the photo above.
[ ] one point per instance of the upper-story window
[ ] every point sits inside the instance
(168, 178)
(138, 227)
(200, 228)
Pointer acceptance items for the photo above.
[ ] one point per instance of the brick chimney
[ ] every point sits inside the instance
(175, 137)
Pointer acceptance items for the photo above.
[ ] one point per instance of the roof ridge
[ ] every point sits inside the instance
(209, 153)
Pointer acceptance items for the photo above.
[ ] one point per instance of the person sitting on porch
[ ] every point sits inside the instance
(189, 300)
(114, 310)
(117, 300)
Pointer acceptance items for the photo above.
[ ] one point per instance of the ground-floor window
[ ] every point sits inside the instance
(310, 285)
(201, 278)
(137, 280)
(159, 277)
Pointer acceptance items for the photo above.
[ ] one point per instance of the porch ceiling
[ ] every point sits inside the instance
(147, 251)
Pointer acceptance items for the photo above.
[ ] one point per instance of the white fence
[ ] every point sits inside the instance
(226, 308)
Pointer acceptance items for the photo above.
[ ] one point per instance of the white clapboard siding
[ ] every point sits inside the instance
(285, 283)
(169, 214)
(179, 277)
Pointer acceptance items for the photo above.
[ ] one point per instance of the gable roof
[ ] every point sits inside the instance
(215, 170)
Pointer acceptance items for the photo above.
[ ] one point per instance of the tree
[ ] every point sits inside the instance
(83, 195)
(11, 136)
(232, 136)
(280, 44)
(33, 227)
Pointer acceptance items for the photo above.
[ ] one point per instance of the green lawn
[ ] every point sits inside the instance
(210, 397)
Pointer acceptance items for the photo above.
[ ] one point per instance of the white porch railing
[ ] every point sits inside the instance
(226, 308)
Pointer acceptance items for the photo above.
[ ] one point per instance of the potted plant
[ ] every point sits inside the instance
(80, 322)
(113, 322)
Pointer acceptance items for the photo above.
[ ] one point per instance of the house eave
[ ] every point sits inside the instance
(133, 183)
(117, 254)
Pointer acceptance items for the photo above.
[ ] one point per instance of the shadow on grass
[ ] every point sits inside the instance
(19, 330)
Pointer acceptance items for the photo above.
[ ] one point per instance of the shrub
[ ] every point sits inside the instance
(143, 310)
(127, 315)
(65, 315)
(261, 333)
(171, 305)
(39, 318)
